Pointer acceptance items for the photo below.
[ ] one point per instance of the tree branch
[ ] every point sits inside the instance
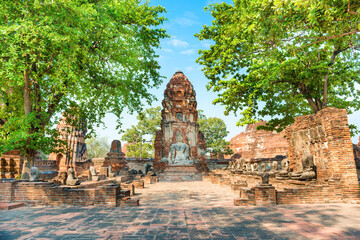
(349, 11)
(321, 39)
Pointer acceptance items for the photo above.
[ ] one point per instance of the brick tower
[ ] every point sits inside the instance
(179, 145)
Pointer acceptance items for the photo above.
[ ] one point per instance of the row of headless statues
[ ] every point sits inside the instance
(284, 173)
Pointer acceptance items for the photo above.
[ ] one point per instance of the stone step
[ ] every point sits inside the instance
(9, 206)
(126, 201)
(138, 183)
(175, 177)
(178, 173)
(125, 192)
(241, 202)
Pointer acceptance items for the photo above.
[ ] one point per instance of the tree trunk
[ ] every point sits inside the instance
(27, 98)
(312, 104)
(29, 153)
(326, 90)
(28, 164)
(326, 77)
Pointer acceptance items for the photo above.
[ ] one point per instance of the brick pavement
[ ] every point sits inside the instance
(185, 210)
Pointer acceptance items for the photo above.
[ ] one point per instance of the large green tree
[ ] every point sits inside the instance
(141, 137)
(84, 57)
(97, 147)
(283, 58)
(215, 132)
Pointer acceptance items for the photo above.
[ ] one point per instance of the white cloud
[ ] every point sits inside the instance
(189, 69)
(167, 50)
(187, 22)
(189, 19)
(188, 52)
(178, 43)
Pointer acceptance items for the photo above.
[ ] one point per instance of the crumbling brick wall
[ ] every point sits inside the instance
(326, 135)
(253, 144)
(46, 193)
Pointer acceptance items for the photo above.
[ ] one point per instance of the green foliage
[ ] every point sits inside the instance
(214, 130)
(84, 57)
(141, 137)
(140, 150)
(97, 147)
(282, 58)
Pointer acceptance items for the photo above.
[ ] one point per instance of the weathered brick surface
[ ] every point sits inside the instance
(150, 179)
(75, 138)
(326, 136)
(253, 144)
(180, 173)
(283, 191)
(46, 193)
(11, 164)
(7, 190)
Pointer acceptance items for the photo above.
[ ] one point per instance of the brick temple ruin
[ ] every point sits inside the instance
(98, 182)
(320, 166)
(76, 151)
(311, 161)
(179, 145)
(255, 144)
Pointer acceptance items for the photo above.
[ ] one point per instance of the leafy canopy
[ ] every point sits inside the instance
(84, 57)
(214, 130)
(141, 137)
(97, 147)
(283, 58)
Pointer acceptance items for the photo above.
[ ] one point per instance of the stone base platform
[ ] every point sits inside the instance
(180, 173)
(9, 206)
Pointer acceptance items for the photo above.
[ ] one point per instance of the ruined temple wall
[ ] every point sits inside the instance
(46, 165)
(287, 191)
(75, 139)
(45, 193)
(82, 169)
(253, 144)
(326, 135)
(139, 164)
(11, 164)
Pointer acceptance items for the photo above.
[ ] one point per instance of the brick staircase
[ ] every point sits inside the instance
(180, 173)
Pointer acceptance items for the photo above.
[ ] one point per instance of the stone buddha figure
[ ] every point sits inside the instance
(179, 151)
(71, 179)
(284, 172)
(308, 172)
(255, 169)
(307, 162)
(239, 167)
(274, 169)
(230, 166)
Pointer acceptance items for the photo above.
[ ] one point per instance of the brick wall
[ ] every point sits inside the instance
(82, 169)
(46, 165)
(7, 189)
(253, 144)
(11, 164)
(283, 191)
(326, 136)
(46, 193)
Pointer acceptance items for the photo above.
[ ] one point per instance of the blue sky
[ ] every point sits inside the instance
(186, 18)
